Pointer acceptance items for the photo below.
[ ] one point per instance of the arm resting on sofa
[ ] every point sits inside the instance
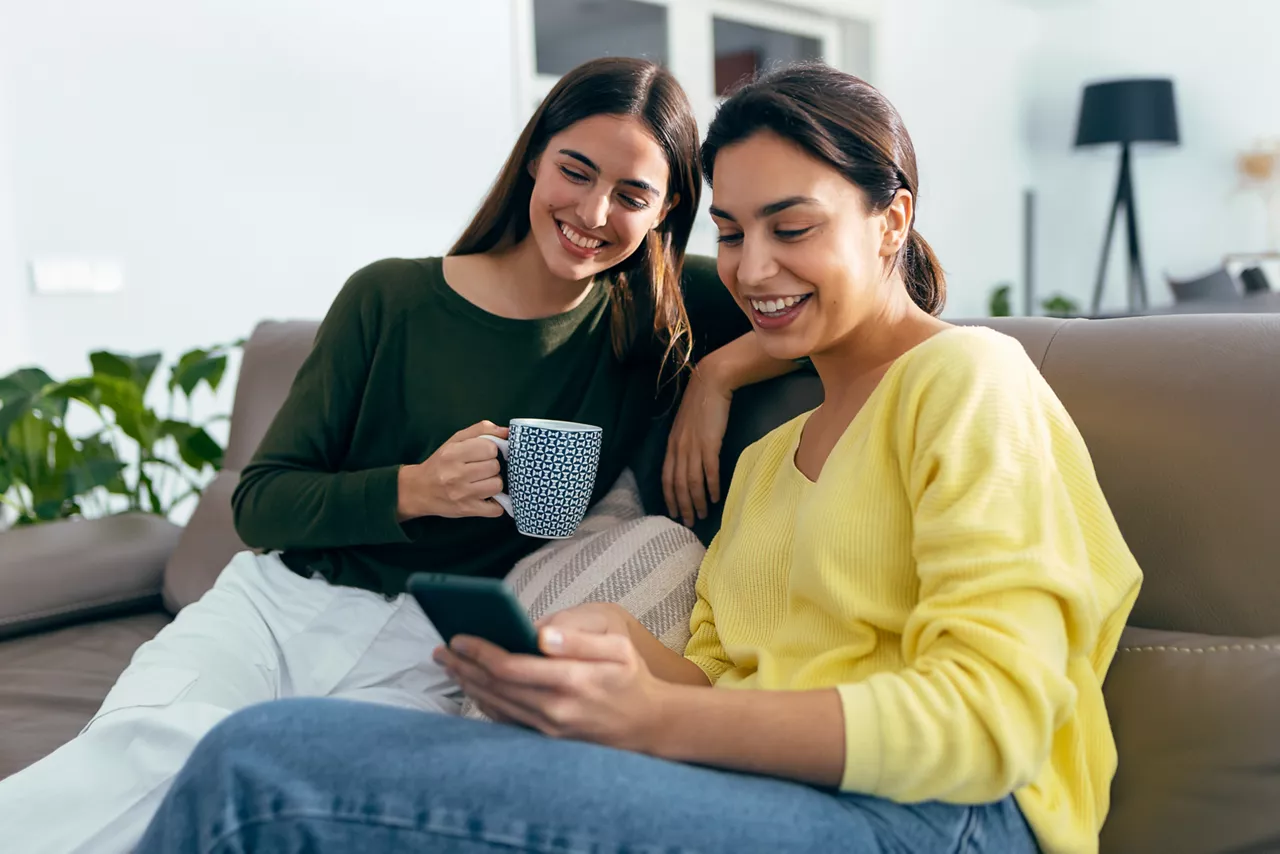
(69, 571)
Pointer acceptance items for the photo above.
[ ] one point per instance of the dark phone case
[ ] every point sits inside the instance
(483, 607)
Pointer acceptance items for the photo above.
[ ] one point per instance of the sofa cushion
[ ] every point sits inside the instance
(76, 569)
(52, 683)
(207, 545)
(1197, 724)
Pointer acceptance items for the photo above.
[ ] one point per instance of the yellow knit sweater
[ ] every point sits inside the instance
(955, 573)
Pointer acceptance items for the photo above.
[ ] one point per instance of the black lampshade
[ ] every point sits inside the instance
(1128, 111)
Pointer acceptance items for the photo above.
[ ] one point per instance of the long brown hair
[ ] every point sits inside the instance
(644, 290)
(846, 123)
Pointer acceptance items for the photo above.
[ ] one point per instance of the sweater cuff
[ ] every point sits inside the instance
(863, 752)
(713, 667)
(379, 493)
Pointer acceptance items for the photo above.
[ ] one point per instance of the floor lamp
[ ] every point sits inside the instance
(1126, 111)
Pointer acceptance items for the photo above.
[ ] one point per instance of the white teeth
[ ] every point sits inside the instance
(775, 306)
(579, 239)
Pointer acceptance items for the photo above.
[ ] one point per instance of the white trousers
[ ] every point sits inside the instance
(261, 633)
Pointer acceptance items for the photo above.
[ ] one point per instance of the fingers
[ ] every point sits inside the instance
(489, 509)
(669, 476)
(695, 483)
(681, 485)
(711, 468)
(480, 429)
(583, 618)
(585, 646)
(474, 450)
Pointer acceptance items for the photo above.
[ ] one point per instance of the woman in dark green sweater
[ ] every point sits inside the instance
(565, 298)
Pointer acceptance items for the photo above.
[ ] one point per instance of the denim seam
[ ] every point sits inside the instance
(964, 843)
(481, 836)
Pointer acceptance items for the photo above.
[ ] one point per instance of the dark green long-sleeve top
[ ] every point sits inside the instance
(401, 363)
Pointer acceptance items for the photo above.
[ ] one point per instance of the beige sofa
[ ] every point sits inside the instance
(1181, 415)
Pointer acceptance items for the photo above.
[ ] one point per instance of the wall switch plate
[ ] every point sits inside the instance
(72, 276)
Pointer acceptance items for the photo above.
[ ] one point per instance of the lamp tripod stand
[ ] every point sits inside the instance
(1137, 283)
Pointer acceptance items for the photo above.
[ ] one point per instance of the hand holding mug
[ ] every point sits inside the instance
(460, 479)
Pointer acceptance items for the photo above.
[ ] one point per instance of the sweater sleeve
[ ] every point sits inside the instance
(295, 492)
(1006, 596)
(705, 648)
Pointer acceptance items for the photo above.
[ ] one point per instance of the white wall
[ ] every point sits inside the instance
(1225, 60)
(13, 344)
(240, 159)
(954, 70)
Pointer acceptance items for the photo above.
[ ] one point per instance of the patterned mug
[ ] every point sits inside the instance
(551, 474)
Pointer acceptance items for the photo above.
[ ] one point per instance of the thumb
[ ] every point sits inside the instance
(576, 619)
(585, 646)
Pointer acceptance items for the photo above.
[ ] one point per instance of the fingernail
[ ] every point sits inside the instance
(552, 638)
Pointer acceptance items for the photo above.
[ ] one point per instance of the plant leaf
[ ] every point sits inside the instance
(124, 399)
(152, 498)
(83, 389)
(136, 369)
(146, 367)
(10, 414)
(23, 382)
(196, 447)
(111, 365)
(198, 366)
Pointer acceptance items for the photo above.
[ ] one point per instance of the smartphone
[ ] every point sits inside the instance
(483, 607)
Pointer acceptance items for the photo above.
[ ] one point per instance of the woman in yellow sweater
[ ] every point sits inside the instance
(910, 607)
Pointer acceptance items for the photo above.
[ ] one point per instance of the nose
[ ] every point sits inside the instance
(756, 264)
(593, 209)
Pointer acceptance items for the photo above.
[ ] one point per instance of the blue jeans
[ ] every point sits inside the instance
(321, 776)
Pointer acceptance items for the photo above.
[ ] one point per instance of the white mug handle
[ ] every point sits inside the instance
(504, 448)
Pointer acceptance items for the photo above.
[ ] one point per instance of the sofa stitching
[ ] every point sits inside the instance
(1054, 337)
(1237, 647)
(79, 606)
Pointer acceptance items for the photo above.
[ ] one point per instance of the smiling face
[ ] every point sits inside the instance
(799, 250)
(599, 188)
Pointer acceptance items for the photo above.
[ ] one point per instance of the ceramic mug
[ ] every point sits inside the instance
(551, 474)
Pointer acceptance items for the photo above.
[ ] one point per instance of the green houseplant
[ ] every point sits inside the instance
(132, 457)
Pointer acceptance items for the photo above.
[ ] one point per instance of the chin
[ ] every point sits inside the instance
(783, 347)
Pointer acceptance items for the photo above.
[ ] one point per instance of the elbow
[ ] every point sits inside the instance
(246, 518)
(1021, 739)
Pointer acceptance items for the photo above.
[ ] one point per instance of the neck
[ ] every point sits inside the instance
(868, 349)
(540, 292)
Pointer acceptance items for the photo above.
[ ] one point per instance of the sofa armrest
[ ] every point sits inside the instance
(77, 569)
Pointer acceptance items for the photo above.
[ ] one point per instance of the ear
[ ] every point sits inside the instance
(666, 209)
(533, 167)
(896, 223)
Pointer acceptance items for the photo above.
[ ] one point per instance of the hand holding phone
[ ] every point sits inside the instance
(483, 607)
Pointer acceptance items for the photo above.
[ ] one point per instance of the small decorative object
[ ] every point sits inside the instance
(1260, 173)
(1126, 111)
(1000, 305)
(1060, 306)
(135, 459)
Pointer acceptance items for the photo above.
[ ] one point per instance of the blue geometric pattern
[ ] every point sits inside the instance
(550, 478)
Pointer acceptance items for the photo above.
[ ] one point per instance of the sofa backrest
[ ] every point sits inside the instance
(1179, 414)
(272, 356)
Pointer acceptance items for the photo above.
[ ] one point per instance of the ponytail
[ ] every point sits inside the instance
(926, 283)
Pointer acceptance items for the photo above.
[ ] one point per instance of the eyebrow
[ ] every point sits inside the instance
(769, 209)
(590, 164)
